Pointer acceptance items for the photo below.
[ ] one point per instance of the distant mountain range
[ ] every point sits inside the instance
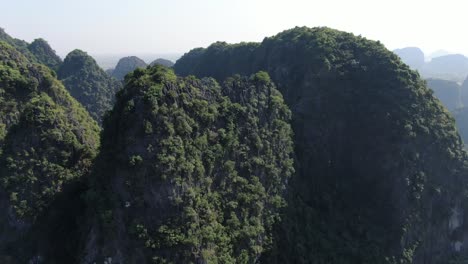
(109, 61)
(439, 65)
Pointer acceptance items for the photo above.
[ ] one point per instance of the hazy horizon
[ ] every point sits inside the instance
(120, 28)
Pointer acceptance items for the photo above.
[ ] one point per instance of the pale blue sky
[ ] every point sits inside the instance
(176, 26)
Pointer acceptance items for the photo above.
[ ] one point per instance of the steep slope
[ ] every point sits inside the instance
(20, 45)
(412, 56)
(88, 83)
(38, 51)
(190, 172)
(47, 143)
(448, 92)
(163, 62)
(461, 118)
(464, 92)
(380, 166)
(45, 54)
(127, 65)
(109, 71)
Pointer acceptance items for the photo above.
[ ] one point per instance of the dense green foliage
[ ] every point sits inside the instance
(20, 45)
(88, 83)
(162, 62)
(127, 65)
(190, 172)
(380, 166)
(448, 92)
(45, 54)
(47, 141)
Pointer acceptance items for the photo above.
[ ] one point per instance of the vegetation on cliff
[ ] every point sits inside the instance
(380, 166)
(191, 172)
(88, 83)
(47, 141)
(45, 54)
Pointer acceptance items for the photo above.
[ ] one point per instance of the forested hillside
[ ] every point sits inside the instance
(88, 83)
(47, 144)
(45, 54)
(190, 171)
(313, 146)
(380, 166)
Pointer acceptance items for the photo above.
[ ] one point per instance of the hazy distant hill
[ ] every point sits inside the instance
(162, 62)
(127, 65)
(109, 61)
(412, 56)
(438, 53)
(438, 65)
(450, 67)
(448, 92)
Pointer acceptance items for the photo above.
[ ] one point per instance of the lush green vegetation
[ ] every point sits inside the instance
(20, 45)
(47, 141)
(88, 83)
(191, 172)
(45, 54)
(127, 65)
(379, 165)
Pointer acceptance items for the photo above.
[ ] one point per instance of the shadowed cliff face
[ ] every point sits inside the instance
(380, 166)
(190, 171)
(47, 143)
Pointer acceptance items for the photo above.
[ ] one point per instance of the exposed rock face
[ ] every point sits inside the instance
(127, 65)
(45, 54)
(190, 172)
(448, 92)
(380, 165)
(412, 56)
(88, 83)
(47, 144)
(162, 62)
